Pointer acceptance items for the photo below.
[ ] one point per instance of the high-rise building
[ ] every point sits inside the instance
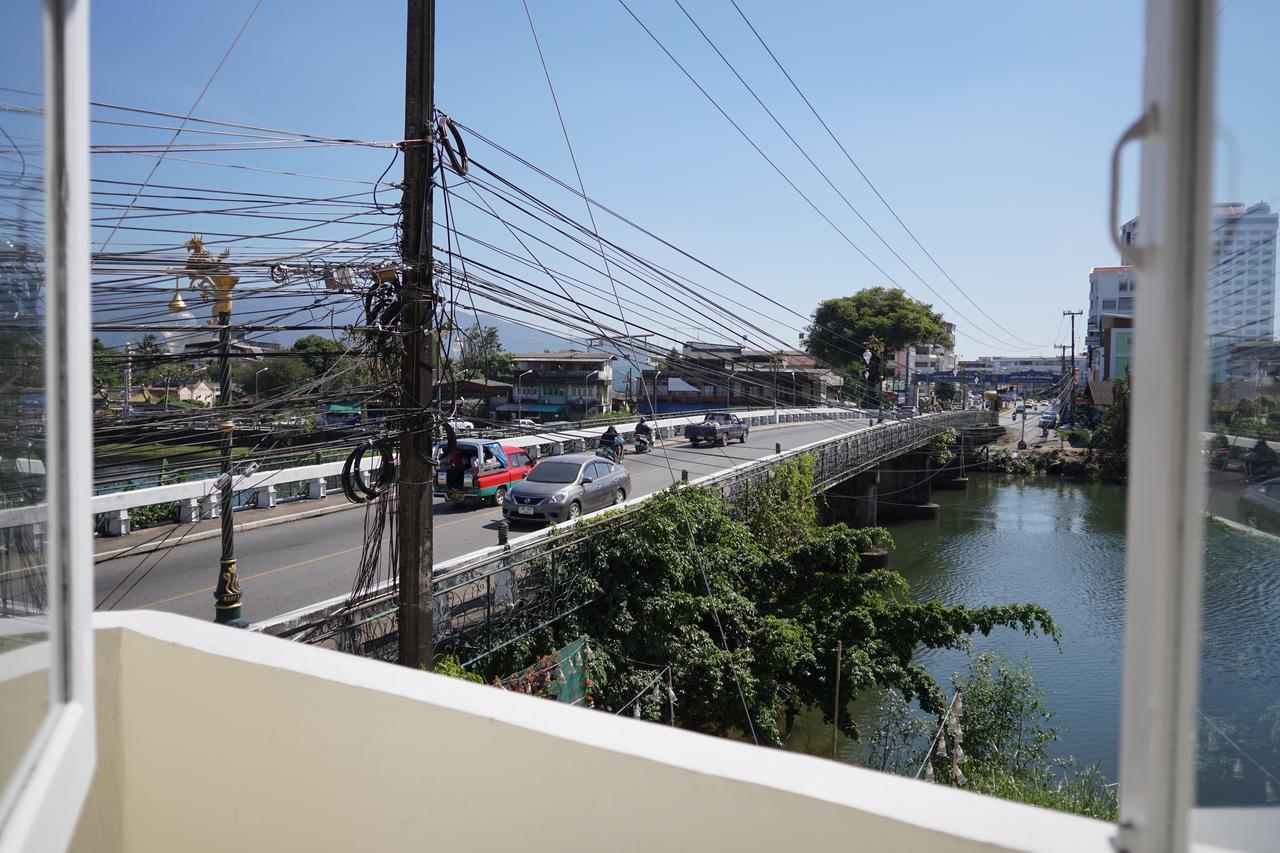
(1242, 278)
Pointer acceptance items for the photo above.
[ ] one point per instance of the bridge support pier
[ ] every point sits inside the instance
(853, 501)
(316, 489)
(905, 487)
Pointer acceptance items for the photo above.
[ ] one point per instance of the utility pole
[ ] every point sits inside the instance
(417, 373)
(1063, 355)
(1072, 366)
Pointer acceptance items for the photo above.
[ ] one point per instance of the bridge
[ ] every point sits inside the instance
(480, 593)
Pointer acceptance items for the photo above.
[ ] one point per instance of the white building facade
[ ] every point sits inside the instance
(1241, 303)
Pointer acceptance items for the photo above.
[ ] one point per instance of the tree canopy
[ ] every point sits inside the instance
(843, 328)
(483, 356)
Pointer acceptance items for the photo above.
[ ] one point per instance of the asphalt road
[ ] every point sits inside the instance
(297, 563)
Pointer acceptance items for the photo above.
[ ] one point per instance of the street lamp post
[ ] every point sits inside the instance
(203, 272)
(227, 596)
(519, 397)
(256, 374)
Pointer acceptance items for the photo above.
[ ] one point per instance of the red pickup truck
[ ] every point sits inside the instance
(479, 471)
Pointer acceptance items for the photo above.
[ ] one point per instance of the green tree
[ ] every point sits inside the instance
(483, 356)
(151, 360)
(843, 328)
(318, 353)
(945, 391)
(283, 374)
(746, 604)
(108, 364)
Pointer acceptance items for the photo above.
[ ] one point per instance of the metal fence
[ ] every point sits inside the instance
(478, 596)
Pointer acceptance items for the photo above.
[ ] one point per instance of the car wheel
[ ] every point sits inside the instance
(499, 495)
(722, 441)
(693, 442)
(742, 439)
(1251, 519)
(619, 497)
(575, 510)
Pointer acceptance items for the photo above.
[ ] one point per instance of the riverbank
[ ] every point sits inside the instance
(1053, 456)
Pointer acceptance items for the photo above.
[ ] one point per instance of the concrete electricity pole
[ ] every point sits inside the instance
(417, 379)
(1072, 367)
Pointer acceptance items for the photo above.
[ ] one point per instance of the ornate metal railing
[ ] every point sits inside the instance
(479, 596)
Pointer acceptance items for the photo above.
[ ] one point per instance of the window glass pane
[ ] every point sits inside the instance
(1238, 755)
(24, 652)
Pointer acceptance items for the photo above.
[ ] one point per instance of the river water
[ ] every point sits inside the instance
(1061, 544)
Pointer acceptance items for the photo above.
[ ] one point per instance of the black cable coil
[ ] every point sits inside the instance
(356, 485)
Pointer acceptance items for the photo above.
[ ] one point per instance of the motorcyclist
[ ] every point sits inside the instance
(612, 441)
(644, 434)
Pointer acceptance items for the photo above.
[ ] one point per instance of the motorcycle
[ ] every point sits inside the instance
(611, 452)
(641, 442)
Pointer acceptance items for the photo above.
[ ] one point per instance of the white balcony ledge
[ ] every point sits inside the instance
(215, 739)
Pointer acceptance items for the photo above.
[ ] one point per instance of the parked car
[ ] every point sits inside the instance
(562, 488)
(459, 425)
(1260, 506)
(525, 422)
(462, 479)
(718, 428)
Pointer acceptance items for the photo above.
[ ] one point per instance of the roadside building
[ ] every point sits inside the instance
(569, 384)
(924, 359)
(1112, 348)
(717, 376)
(479, 396)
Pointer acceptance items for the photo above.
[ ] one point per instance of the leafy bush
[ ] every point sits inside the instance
(1005, 739)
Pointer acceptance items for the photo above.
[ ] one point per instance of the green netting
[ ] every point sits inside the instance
(564, 675)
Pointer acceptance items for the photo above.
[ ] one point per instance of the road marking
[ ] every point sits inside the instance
(253, 577)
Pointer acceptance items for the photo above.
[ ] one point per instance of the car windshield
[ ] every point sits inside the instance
(554, 472)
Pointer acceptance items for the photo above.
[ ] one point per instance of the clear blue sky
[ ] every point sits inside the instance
(987, 125)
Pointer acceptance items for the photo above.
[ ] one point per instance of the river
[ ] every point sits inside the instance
(1061, 544)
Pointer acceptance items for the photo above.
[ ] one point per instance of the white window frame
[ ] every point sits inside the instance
(1163, 567)
(41, 802)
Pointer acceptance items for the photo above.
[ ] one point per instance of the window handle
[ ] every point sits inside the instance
(1144, 126)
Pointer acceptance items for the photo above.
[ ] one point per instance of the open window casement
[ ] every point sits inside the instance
(46, 666)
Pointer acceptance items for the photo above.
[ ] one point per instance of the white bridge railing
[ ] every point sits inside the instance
(198, 499)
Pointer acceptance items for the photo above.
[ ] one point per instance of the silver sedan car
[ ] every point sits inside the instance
(561, 488)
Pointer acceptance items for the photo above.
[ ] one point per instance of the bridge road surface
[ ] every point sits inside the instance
(291, 565)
